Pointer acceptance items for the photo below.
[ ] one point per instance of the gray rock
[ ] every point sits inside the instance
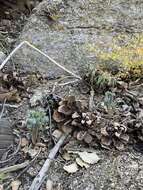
(66, 29)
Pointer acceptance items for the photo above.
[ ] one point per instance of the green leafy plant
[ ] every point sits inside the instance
(109, 101)
(99, 80)
(35, 120)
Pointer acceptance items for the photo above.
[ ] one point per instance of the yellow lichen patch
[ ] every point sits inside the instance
(128, 53)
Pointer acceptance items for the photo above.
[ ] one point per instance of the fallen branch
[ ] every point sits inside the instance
(14, 168)
(91, 100)
(39, 179)
(39, 51)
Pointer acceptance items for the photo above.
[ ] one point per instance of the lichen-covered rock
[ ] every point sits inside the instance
(69, 30)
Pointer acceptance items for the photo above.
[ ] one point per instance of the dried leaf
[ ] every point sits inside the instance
(66, 156)
(90, 158)
(72, 168)
(15, 184)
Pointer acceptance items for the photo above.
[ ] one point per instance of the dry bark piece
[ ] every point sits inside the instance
(6, 135)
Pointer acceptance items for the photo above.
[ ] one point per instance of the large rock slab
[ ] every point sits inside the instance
(66, 29)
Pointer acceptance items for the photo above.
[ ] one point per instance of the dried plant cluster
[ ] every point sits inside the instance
(112, 124)
(14, 85)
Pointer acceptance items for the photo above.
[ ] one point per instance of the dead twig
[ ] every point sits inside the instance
(3, 106)
(12, 155)
(91, 100)
(10, 106)
(30, 163)
(14, 168)
(39, 179)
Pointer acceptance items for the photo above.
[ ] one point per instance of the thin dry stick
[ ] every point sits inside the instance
(3, 106)
(12, 155)
(39, 51)
(91, 100)
(30, 164)
(10, 105)
(39, 179)
(14, 168)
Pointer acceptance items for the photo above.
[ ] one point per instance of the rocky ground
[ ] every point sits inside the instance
(69, 32)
